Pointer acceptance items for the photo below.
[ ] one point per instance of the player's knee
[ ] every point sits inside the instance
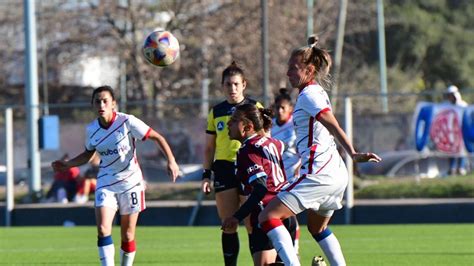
(316, 228)
(127, 237)
(104, 230)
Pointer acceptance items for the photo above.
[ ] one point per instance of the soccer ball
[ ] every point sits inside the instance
(161, 48)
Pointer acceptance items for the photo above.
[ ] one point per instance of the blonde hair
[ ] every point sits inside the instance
(316, 56)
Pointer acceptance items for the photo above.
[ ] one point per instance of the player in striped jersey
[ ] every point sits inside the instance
(220, 156)
(260, 170)
(284, 130)
(323, 177)
(119, 181)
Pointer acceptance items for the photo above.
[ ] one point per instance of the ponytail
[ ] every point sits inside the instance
(316, 56)
(266, 115)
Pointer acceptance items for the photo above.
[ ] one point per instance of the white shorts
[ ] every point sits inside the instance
(128, 202)
(322, 192)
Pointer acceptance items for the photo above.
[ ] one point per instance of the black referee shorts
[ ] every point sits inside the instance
(224, 176)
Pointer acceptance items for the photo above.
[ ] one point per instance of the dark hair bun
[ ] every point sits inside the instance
(284, 91)
(313, 40)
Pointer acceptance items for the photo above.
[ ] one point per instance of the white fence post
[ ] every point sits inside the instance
(9, 199)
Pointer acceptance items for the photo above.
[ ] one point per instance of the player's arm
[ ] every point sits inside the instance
(259, 191)
(173, 169)
(83, 158)
(328, 119)
(209, 151)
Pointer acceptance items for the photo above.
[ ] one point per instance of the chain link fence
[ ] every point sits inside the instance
(183, 123)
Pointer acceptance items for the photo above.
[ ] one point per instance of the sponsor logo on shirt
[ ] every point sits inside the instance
(118, 150)
(220, 125)
(253, 168)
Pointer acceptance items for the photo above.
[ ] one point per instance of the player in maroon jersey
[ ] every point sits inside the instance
(261, 172)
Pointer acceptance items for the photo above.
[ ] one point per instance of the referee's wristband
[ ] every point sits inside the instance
(206, 173)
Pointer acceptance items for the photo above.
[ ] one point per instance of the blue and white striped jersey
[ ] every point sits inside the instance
(118, 170)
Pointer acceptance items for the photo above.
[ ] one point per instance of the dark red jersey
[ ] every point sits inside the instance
(261, 157)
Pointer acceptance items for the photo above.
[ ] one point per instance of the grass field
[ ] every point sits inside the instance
(418, 245)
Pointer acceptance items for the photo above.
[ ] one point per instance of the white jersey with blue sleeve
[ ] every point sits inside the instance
(314, 143)
(286, 134)
(118, 170)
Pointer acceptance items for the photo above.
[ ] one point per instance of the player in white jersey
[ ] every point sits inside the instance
(284, 130)
(323, 175)
(119, 180)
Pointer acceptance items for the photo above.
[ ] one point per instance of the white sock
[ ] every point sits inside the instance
(126, 258)
(282, 242)
(297, 240)
(331, 248)
(106, 255)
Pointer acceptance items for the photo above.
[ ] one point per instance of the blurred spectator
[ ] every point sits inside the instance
(457, 165)
(453, 96)
(64, 185)
(87, 182)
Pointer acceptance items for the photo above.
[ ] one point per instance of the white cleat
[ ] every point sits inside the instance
(318, 261)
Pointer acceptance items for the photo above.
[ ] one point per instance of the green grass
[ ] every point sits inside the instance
(450, 244)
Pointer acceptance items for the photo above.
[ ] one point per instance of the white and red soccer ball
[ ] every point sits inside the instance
(161, 48)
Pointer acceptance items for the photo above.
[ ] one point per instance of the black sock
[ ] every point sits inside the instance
(230, 248)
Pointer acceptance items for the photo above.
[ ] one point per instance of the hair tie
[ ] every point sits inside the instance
(312, 41)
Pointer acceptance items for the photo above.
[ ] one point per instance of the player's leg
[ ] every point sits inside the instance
(228, 202)
(264, 257)
(128, 225)
(131, 204)
(318, 227)
(271, 223)
(296, 237)
(261, 247)
(104, 217)
(291, 224)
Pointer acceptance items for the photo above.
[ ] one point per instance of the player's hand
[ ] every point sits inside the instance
(59, 166)
(230, 224)
(206, 185)
(173, 170)
(366, 157)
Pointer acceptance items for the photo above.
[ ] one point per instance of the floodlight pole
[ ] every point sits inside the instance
(341, 24)
(309, 18)
(31, 88)
(382, 60)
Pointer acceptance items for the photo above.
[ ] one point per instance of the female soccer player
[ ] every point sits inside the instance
(323, 177)
(220, 153)
(119, 181)
(261, 172)
(283, 129)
